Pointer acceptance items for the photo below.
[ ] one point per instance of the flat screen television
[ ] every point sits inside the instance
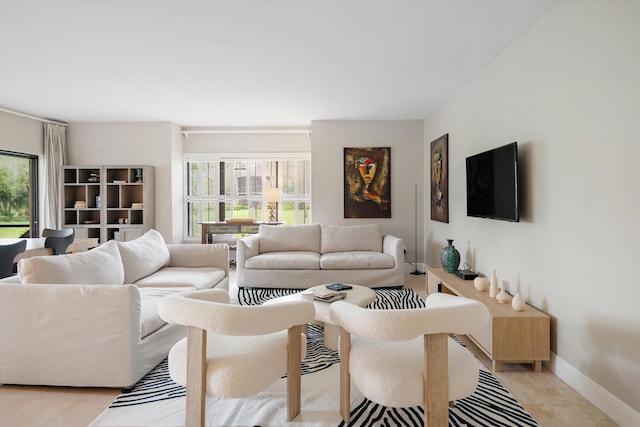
(492, 184)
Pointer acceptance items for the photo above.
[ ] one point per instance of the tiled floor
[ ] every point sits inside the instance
(551, 401)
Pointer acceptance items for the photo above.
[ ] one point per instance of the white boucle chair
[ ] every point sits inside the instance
(234, 351)
(404, 357)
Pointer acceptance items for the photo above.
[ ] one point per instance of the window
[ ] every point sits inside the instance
(225, 187)
(18, 194)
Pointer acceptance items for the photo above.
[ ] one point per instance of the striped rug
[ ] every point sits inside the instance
(157, 401)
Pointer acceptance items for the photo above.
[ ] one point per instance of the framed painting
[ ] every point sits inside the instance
(367, 182)
(440, 179)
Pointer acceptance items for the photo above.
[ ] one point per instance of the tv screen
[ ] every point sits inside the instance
(492, 184)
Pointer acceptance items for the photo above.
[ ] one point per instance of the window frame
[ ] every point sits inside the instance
(34, 211)
(233, 196)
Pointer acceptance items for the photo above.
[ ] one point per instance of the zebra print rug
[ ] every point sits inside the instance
(157, 401)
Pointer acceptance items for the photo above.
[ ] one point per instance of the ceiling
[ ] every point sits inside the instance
(248, 63)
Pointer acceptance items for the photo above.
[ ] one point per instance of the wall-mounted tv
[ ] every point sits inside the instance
(492, 184)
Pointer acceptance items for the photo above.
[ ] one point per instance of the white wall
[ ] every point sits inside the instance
(24, 135)
(144, 143)
(330, 137)
(247, 143)
(568, 91)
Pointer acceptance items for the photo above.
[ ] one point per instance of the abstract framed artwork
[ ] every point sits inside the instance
(367, 182)
(440, 179)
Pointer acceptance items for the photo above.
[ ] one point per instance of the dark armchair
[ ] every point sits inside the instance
(58, 240)
(7, 255)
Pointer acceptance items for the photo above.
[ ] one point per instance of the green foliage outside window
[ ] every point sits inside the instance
(14, 196)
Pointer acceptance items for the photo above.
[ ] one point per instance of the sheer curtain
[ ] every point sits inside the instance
(55, 155)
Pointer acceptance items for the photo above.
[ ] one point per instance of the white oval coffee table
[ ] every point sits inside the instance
(359, 295)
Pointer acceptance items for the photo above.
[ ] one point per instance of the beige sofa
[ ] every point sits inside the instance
(90, 319)
(302, 256)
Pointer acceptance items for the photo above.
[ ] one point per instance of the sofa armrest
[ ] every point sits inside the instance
(246, 248)
(394, 246)
(63, 334)
(200, 255)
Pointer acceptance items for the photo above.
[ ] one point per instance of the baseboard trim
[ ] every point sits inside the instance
(601, 398)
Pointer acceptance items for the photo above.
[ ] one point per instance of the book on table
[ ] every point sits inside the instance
(329, 296)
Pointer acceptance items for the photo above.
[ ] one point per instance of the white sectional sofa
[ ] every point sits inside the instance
(90, 319)
(298, 257)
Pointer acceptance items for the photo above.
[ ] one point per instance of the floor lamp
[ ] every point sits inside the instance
(415, 236)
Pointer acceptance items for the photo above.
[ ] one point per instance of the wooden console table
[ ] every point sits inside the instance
(512, 336)
(209, 229)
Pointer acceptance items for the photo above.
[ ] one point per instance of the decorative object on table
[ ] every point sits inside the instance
(493, 285)
(503, 296)
(465, 273)
(240, 221)
(272, 196)
(367, 182)
(139, 175)
(518, 303)
(481, 283)
(93, 177)
(444, 252)
(440, 179)
(450, 257)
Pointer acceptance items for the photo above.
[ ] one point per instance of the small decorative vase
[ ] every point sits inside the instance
(503, 296)
(493, 285)
(518, 302)
(444, 252)
(481, 283)
(453, 258)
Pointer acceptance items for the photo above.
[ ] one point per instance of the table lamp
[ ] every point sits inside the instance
(271, 195)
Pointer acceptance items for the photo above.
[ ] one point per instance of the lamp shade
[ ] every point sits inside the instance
(271, 194)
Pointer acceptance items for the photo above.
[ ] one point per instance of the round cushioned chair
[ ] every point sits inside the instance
(235, 351)
(404, 357)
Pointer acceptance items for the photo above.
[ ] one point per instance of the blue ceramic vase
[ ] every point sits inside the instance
(450, 257)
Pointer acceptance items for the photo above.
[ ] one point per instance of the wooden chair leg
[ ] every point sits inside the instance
(294, 380)
(345, 377)
(196, 367)
(436, 382)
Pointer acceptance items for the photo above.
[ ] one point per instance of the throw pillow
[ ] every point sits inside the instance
(274, 238)
(143, 256)
(100, 265)
(344, 238)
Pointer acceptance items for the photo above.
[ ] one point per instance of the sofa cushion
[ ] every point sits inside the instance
(295, 260)
(143, 256)
(274, 238)
(343, 238)
(196, 277)
(356, 260)
(150, 320)
(101, 265)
